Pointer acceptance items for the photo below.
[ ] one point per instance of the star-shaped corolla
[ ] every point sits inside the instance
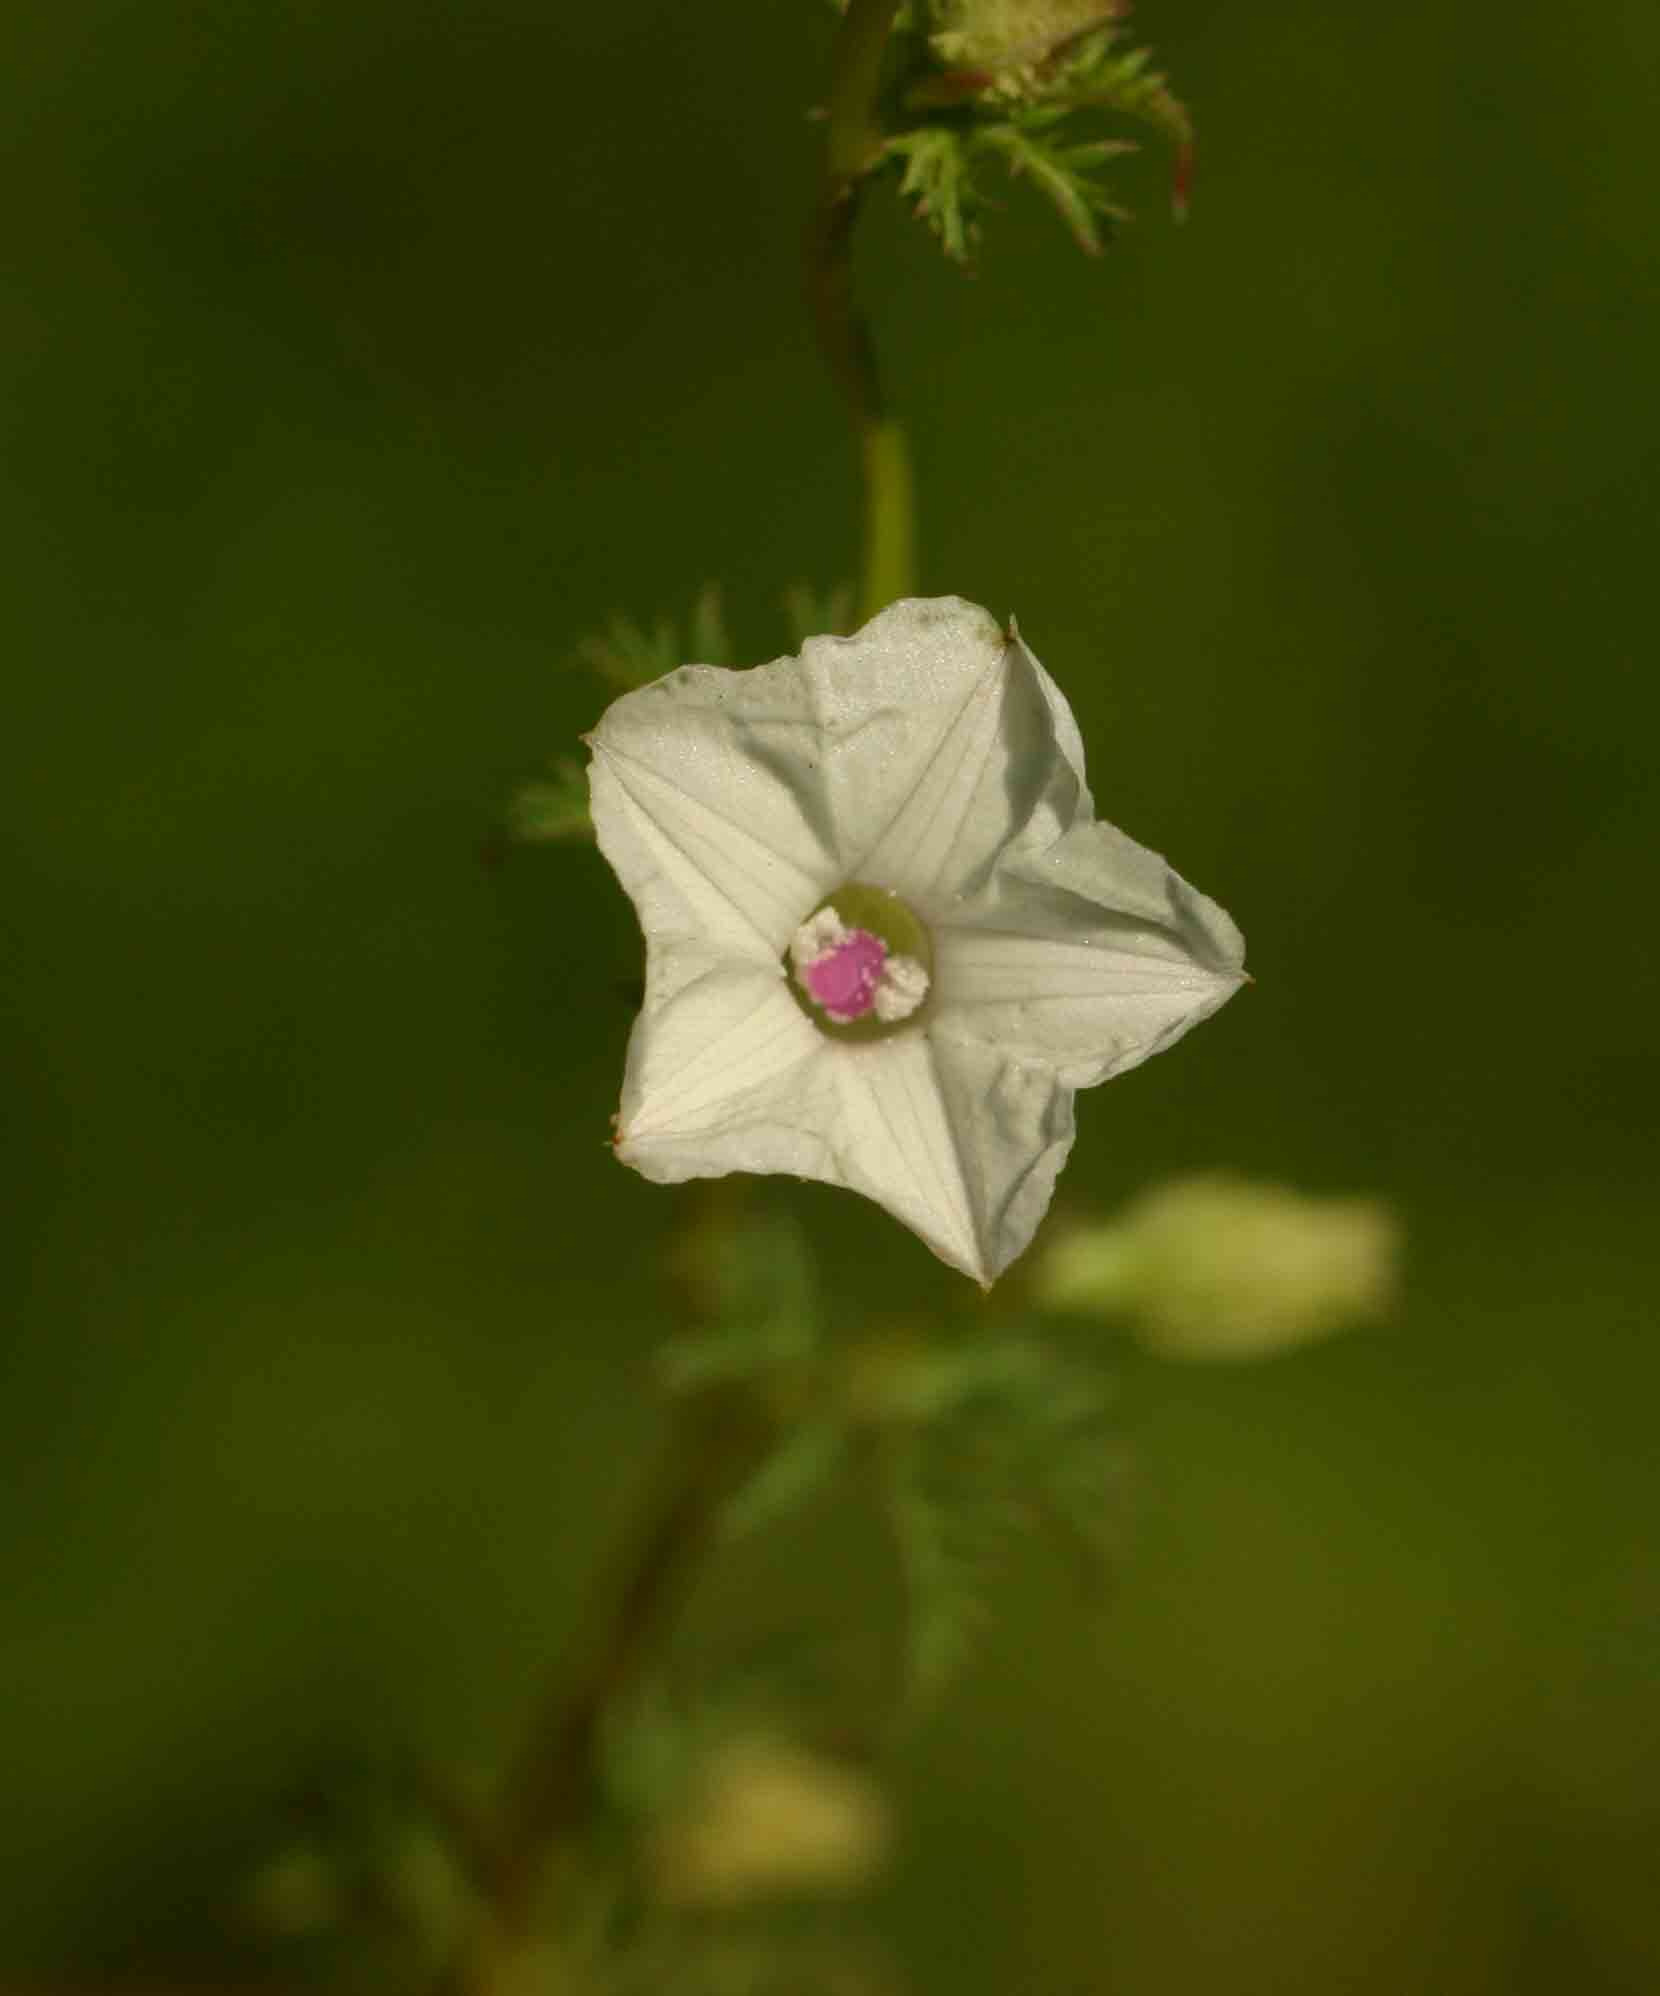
(886, 939)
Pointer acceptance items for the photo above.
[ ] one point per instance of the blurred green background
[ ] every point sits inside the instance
(357, 360)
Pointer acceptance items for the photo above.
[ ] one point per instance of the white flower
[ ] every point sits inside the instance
(990, 947)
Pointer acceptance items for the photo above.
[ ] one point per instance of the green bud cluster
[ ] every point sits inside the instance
(1025, 86)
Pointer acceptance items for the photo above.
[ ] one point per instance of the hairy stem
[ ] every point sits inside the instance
(550, 1788)
(853, 142)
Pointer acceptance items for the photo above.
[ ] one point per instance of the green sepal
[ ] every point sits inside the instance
(627, 654)
(952, 123)
(988, 1443)
(552, 807)
(935, 176)
(1062, 174)
(811, 613)
(708, 640)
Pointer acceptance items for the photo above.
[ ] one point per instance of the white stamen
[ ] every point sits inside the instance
(900, 990)
(817, 934)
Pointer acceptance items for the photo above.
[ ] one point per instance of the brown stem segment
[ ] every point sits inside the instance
(549, 1789)
(853, 144)
(855, 76)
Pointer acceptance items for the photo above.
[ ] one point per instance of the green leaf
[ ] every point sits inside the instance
(628, 654)
(1010, 109)
(1062, 173)
(646, 1745)
(951, 1538)
(708, 640)
(991, 1441)
(552, 807)
(813, 613)
(754, 1281)
(1105, 78)
(789, 1478)
(737, 1352)
(934, 175)
(754, 1271)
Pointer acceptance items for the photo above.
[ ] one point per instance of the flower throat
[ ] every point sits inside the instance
(861, 964)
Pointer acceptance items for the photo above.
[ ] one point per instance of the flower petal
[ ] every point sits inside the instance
(907, 755)
(1011, 1122)
(726, 1073)
(722, 1073)
(1090, 957)
(895, 1143)
(993, 757)
(696, 809)
(823, 756)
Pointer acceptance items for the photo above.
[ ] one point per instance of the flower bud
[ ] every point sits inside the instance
(1001, 36)
(769, 1819)
(1225, 1267)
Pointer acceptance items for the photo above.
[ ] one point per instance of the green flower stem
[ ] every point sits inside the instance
(855, 74)
(890, 515)
(852, 147)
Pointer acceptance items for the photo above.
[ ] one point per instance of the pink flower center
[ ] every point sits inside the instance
(843, 978)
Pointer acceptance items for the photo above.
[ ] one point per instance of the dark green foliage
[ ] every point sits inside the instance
(975, 1445)
(1010, 1438)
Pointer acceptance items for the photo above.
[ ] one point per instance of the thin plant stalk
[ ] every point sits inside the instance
(852, 143)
